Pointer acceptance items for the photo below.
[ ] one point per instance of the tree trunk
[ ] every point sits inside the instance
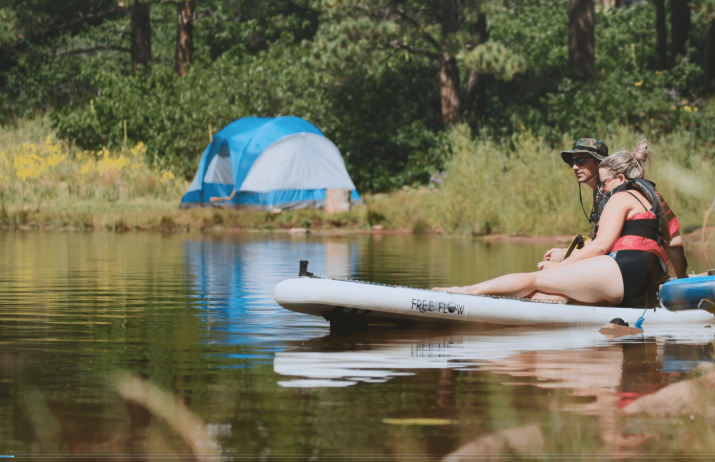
(581, 37)
(449, 88)
(661, 34)
(141, 36)
(448, 16)
(709, 66)
(476, 85)
(184, 36)
(679, 27)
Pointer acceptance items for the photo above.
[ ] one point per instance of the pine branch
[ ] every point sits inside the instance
(211, 14)
(290, 7)
(396, 44)
(293, 7)
(88, 17)
(93, 50)
(403, 14)
(6, 89)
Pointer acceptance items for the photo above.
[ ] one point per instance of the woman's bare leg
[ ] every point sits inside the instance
(593, 280)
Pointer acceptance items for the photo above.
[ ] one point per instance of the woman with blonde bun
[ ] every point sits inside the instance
(625, 262)
(633, 164)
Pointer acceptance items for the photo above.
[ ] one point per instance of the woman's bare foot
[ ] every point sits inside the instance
(454, 290)
(540, 296)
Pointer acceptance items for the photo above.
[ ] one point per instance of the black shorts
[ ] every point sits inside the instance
(642, 274)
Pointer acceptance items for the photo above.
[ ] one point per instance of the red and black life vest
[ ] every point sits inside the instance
(655, 229)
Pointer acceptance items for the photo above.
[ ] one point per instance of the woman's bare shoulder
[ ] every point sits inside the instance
(629, 199)
(621, 200)
(621, 197)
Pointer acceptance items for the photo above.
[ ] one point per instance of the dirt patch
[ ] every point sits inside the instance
(696, 236)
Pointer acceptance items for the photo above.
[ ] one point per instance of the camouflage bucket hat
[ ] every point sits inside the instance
(593, 147)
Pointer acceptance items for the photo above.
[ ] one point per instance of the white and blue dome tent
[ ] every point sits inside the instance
(267, 163)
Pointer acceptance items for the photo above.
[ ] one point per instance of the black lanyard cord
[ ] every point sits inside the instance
(582, 206)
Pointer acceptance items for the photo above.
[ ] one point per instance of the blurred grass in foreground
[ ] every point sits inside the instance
(519, 186)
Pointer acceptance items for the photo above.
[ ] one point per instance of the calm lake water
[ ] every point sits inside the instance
(139, 343)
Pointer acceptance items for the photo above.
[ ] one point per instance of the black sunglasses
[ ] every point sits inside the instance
(580, 161)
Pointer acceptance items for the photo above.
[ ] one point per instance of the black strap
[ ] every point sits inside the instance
(590, 220)
(639, 201)
(642, 228)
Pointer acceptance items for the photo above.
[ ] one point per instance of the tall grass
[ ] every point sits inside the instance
(522, 186)
(683, 170)
(42, 175)
(516, 186)
(46, 184)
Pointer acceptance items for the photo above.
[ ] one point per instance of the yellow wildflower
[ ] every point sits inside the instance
(673, 108)
(657, 72)
(688, 109)
(685, 101)
(139, 149)
(695, 109)
(54, 159)
(639, 84)
(108, 164)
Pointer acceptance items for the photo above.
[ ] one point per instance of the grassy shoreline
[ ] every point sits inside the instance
(167, 217)
(515, 189)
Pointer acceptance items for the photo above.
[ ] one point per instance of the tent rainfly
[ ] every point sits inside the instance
(268, 163)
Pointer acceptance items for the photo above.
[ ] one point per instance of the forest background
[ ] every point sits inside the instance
(449, 113)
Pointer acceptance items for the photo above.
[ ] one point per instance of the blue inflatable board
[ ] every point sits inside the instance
(689, 294)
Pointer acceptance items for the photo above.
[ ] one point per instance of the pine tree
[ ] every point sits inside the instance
(679, 27)
(184, 35)
(357, 34)
(661, 34)
(582, 42)
(141, 35)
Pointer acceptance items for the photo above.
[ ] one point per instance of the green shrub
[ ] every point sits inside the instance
(387, 122)
(387, 127)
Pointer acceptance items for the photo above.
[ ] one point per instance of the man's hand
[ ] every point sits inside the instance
(555, 255)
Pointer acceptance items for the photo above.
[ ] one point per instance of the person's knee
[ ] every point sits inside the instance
(545, 281)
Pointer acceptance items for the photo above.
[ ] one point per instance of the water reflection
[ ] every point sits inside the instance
(563, 358)
(193, 321)
(577, 370)
(234, 281)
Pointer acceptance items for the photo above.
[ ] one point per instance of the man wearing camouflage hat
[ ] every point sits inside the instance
(584, 159)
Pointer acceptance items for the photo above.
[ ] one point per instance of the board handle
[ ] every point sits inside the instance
(303, 271)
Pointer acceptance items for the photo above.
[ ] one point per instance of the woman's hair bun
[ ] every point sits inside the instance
(642, 152)
(630, 164)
